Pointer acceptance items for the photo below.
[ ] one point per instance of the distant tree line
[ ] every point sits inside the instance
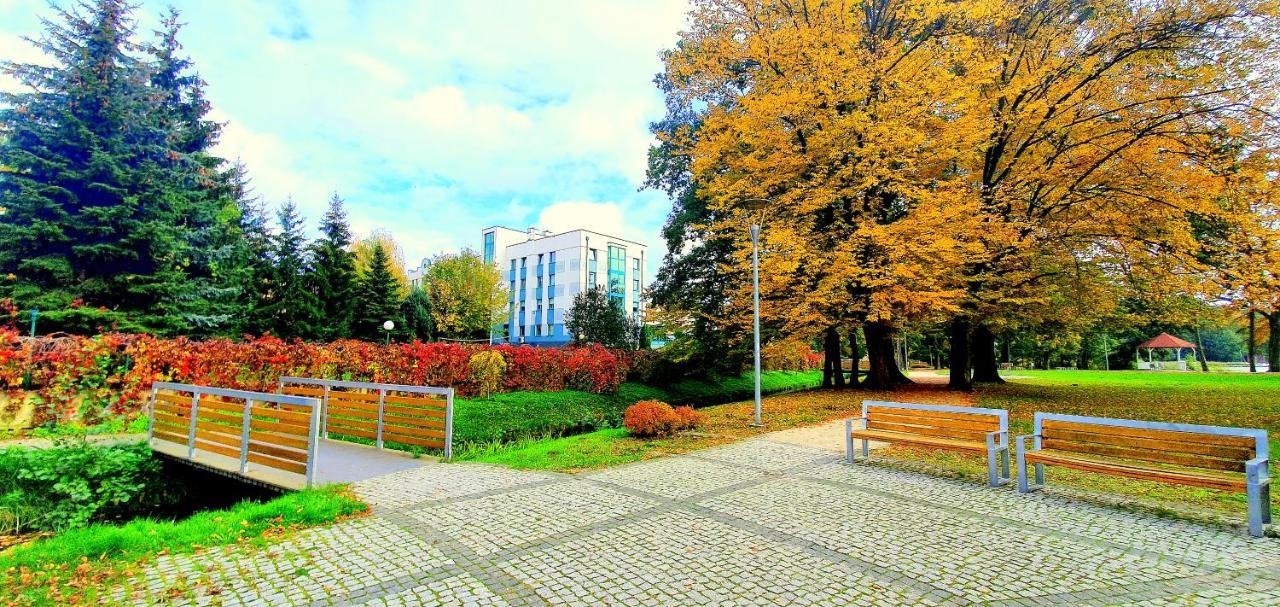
(115, 215)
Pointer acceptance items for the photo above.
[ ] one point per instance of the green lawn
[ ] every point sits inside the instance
(69, 568)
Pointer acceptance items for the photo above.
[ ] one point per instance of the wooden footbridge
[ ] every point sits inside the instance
(308, 433)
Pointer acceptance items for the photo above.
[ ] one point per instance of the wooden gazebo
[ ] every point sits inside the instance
(1163, 341)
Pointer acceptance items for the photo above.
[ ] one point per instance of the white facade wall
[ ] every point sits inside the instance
(536, 314)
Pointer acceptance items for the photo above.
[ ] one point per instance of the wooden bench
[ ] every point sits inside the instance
(968, 429)
(419, 416)
(1231, 459)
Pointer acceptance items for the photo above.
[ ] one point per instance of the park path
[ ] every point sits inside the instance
(761, 522)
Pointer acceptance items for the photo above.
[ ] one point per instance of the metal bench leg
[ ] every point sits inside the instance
(1004, 462)
(1266, 503)
(993, 468)
(866, 448)
(1023, 487)
(1039, 474)
(848, 441)
(1255, 509)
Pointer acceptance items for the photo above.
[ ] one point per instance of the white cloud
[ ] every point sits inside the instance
(603, 217)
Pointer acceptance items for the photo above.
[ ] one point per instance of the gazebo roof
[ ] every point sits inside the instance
(1164, 340)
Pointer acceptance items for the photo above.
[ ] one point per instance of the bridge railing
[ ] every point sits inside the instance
(410, 415)
(276, 431)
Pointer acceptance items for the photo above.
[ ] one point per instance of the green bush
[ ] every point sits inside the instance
(73, 484)
(517, 415)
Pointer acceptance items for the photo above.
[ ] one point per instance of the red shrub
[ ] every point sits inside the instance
(81, 377)
(688, 419)
(650, 419)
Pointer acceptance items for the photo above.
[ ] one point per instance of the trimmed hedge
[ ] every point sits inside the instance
(516, 415)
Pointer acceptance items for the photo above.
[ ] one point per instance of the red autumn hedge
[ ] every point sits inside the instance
(85, 376)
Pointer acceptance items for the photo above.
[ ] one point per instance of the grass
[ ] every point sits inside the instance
(725, 423)
(488, 425)
(73, 567)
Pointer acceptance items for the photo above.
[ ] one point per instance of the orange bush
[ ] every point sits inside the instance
(688, 418)
(650, 418)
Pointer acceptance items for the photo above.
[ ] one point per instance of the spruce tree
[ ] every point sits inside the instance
(205, 207)
(253, 251)
(333, 274)
(104, 204)
(377, 298)
(289, 308)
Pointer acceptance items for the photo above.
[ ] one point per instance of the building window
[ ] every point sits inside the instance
(617, 272)
(552, 261)
(635, 265)
(488, 247)
(522, 262)
(635, 285)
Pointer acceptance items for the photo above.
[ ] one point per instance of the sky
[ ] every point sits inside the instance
(433, 120)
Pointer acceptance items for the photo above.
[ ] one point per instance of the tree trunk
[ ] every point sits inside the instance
(983, 356)
(1082, 362)
(883, 373)
(959, 356)
(855, 354)
(1006, 349)
(832, 369)
(1204, 362)
(1253, 341)
(1273, 342)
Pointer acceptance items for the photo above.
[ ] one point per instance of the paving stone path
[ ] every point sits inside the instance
(761, 522)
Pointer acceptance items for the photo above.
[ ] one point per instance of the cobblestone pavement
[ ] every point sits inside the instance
(755, 523)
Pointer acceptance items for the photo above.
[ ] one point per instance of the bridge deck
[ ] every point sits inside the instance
(336, 462)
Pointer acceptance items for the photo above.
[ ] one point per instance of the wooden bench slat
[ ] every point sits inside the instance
(932, 441)
(933, 413)
(426, 422)
(1149, 455)
(971, 435)
(989, 425)
(336, 422)
(220, 416)
(217, 404)
(1212, 450)
(172, 398)
(343, 431)
(1049, 425)
(1199, 478)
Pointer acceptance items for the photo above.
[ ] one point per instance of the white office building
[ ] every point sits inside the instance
(544, 272)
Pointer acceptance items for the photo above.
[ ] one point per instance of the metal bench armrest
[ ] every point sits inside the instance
(855, 420)
(1022, 439)
(1001, 435)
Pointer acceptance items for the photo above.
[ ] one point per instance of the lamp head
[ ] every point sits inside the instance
(756, 204)
(389, 325)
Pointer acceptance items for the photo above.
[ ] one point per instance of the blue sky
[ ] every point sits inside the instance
(432, 119)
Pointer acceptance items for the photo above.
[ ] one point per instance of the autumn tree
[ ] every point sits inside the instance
(1100, 124)
(467, 296)
(845, 119)
(363, 251)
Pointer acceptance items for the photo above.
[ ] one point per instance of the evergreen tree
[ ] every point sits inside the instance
(595, 318)
(333, 272)
(105, 206)
(289, 308)
(416, 311)
(252, 250)
(377, 299)
(204, 205)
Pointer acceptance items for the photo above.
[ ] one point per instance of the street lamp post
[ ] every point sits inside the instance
(387, 327)
(756, 204)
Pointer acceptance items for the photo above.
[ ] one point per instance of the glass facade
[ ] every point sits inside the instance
(488, 247)
(617, 274)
